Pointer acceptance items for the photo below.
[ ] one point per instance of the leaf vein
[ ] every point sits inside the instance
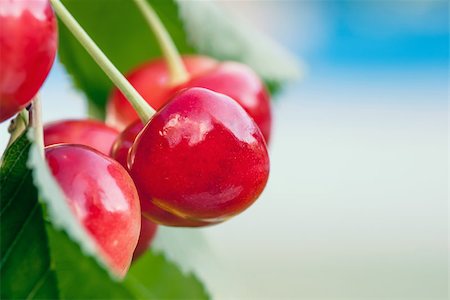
(22, 229)
(39, 283)
(10, 200)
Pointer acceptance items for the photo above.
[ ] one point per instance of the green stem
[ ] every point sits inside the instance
(35, 117)
(177, 69)
(143, 109)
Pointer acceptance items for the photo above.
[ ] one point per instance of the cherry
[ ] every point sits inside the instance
(28, 41)
(201, 157)
(91, 133)
(150, 211)
(152, 81)
(102, 196)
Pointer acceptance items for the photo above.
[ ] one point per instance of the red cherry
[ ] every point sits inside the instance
(152, 81)
(28, 41)
(239, 82)
(201, 157)
(150, 211)
(91, 133)
(102, 196)
(148, 232)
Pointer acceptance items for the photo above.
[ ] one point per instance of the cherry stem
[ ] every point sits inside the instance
(35, 117)
(143, 109)
(177, 69)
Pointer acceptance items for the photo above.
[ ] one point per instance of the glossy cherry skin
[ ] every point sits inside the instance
(200, 157)
(148, 232)
(150, 211)
(102, 196)
(152, 81)
(91, 133)
(242, 84)
(28, 42)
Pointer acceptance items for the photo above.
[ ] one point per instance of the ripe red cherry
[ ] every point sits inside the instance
(150, 211)
(91, 133)
(201, 157)
(152, 81)
(102, 196)
(28, 41)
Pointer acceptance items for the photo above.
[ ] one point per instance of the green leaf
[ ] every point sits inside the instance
(154, 277)
(80, 276)
(25, 269)
(121, 32)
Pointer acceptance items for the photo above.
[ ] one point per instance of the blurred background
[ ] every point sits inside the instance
(357, 203)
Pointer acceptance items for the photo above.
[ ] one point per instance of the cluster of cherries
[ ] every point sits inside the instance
(200, 160)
